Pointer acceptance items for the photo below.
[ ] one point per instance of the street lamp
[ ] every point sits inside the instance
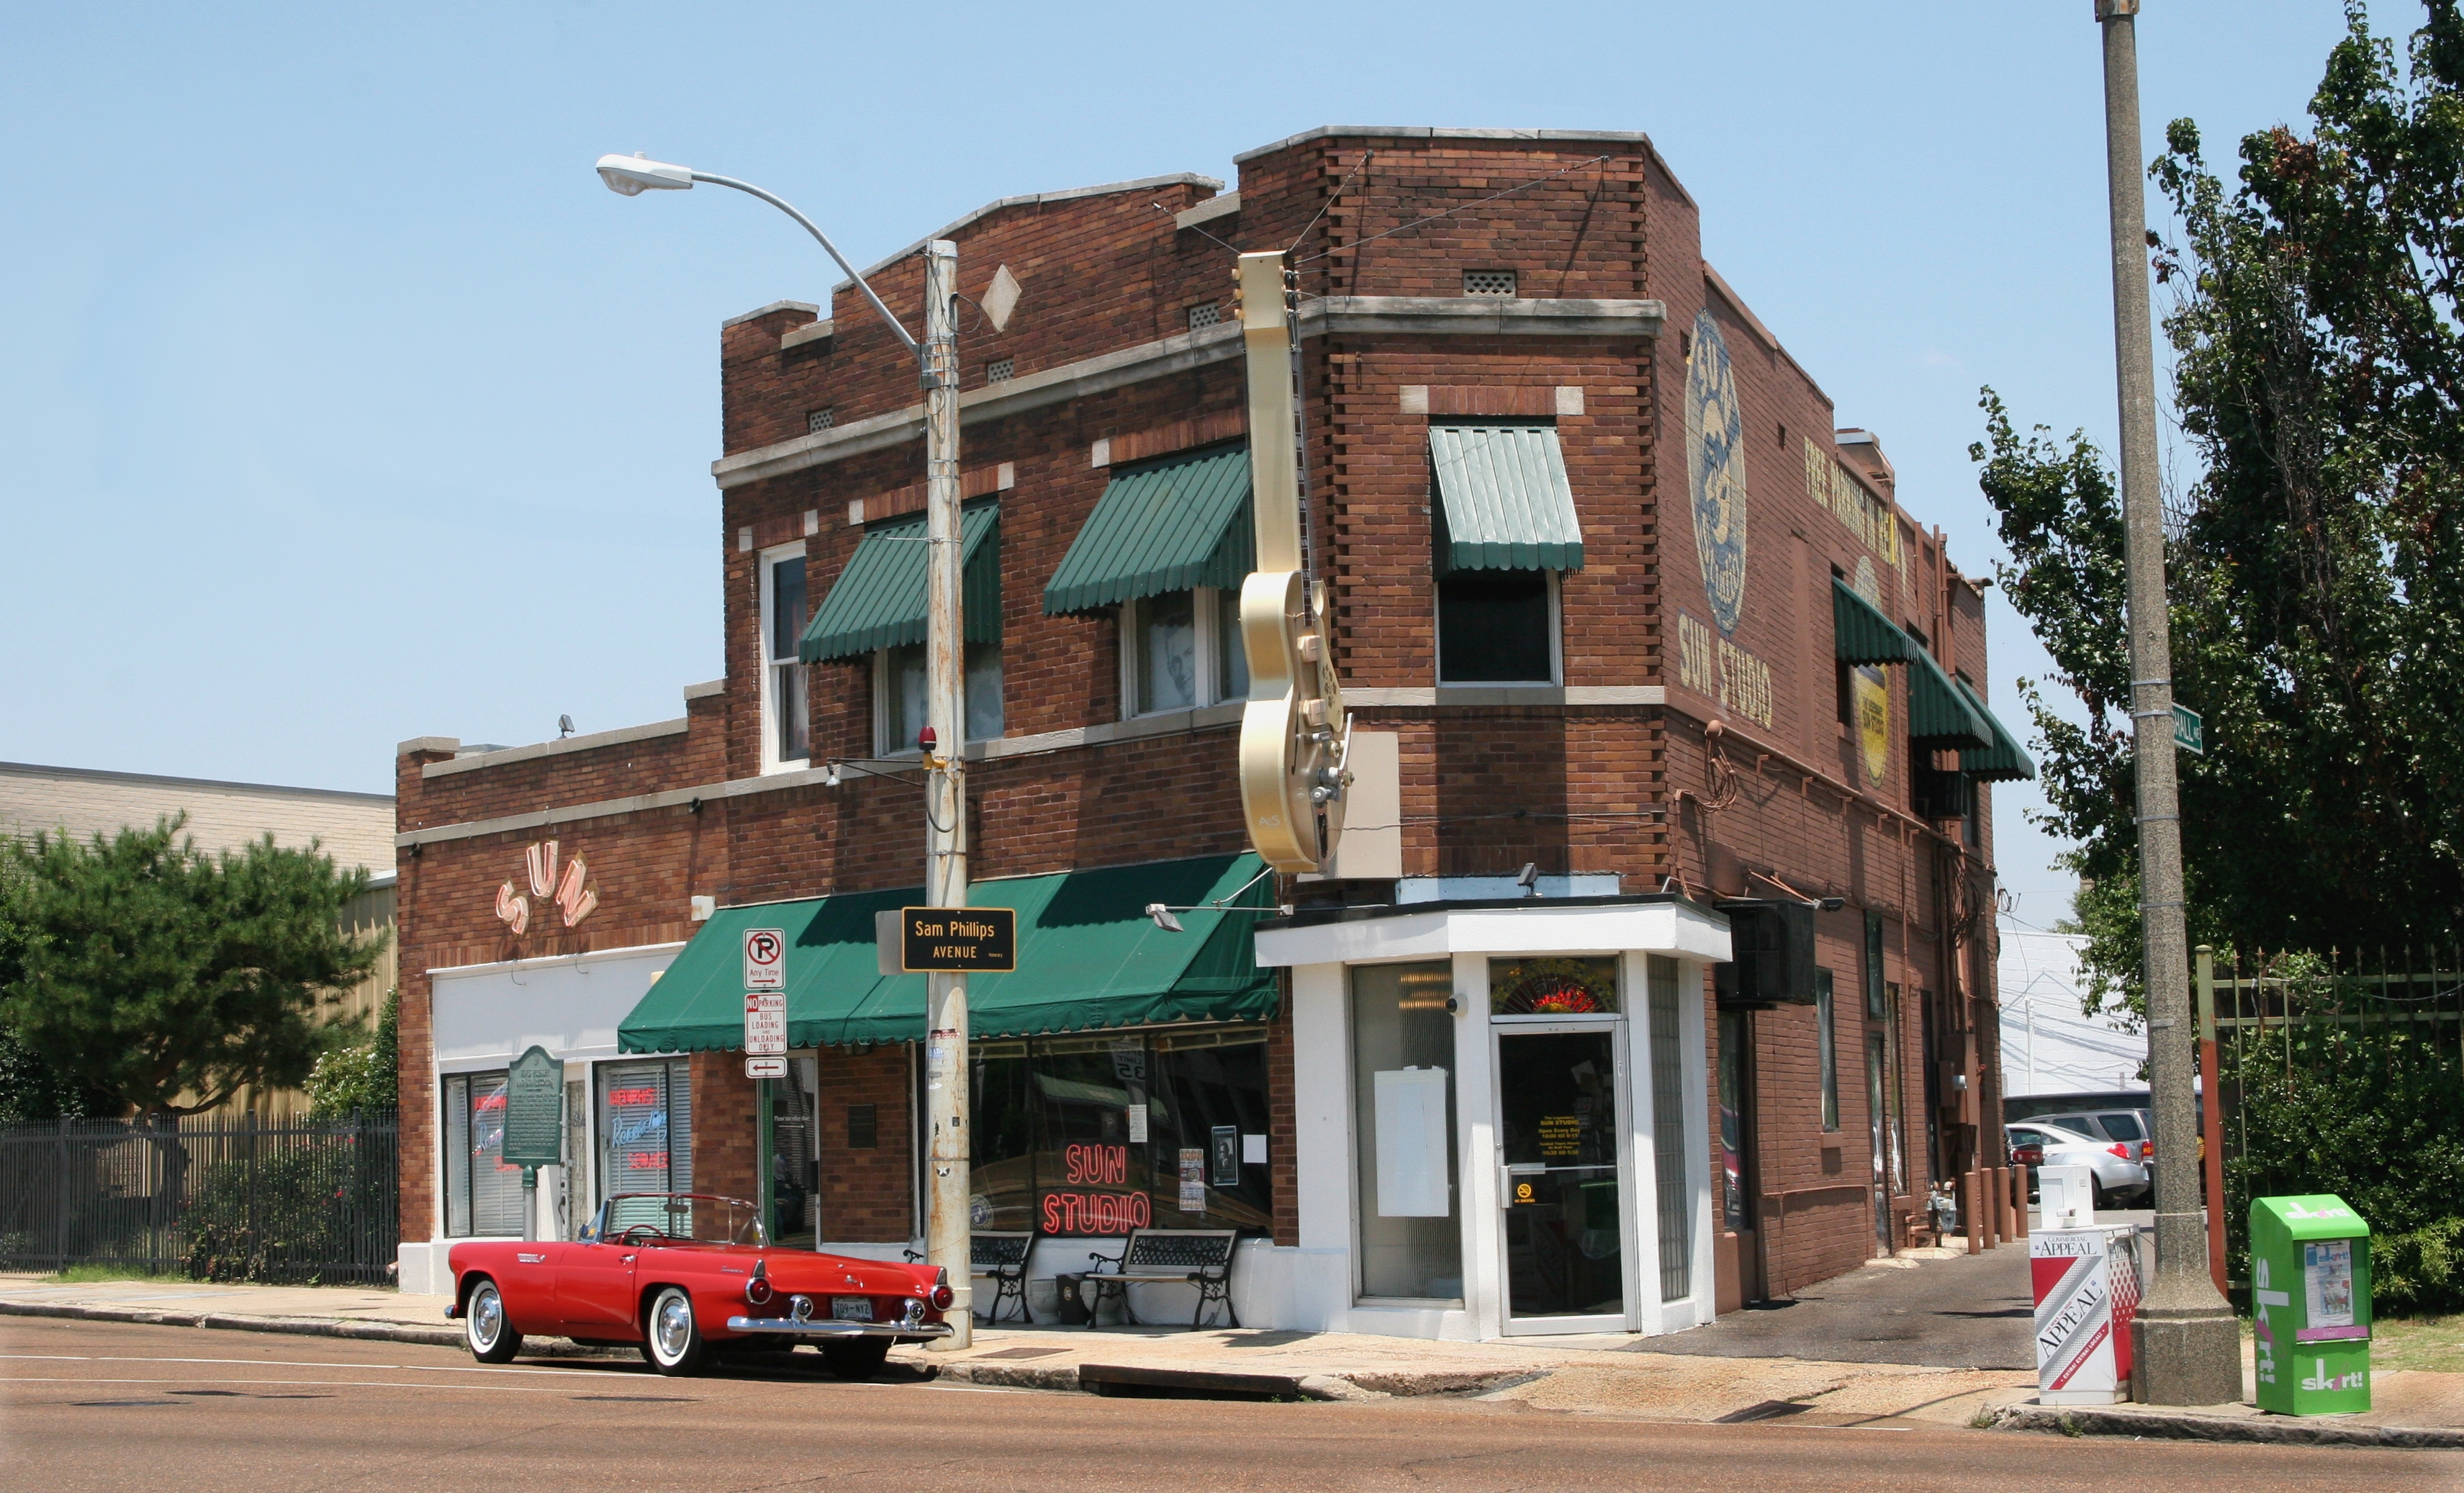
(945, 795)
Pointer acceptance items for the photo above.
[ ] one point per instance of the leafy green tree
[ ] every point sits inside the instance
(154, 973)
(2316, 556)
(29, 1088)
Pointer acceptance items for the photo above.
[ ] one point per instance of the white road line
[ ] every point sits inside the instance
(337, 1384)
(317, 1363)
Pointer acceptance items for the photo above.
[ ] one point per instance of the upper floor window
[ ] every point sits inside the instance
(1497, 626)
(1182, 650)
(901, 690)
(787, 712)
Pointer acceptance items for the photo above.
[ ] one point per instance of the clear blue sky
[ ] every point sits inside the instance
(341, 403)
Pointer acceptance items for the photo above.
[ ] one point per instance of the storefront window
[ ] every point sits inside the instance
(1403, 1105)
(1553, 987)
(1826, 1048)
(644, 1132)
(1100, 1134)
(483, 1195)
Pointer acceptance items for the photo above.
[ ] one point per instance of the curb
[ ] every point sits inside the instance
(2274, 1431)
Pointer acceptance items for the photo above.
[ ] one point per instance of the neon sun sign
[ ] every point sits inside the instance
(569, 893)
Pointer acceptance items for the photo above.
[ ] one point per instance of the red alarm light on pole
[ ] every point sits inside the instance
(925, 738)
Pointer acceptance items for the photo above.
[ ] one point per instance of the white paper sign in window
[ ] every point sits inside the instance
(1412, 1144)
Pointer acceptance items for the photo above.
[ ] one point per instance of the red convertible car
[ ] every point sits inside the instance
(687, 1277)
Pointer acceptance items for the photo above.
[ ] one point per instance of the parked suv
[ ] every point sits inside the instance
(2117, 1175)
(2132, 1127)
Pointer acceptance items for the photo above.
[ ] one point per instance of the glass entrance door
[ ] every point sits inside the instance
(1558, 1135)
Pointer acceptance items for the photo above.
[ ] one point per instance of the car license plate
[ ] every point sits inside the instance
(851, 1308)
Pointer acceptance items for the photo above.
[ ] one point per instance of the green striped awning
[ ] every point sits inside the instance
(1859, 632)
(1504, 500)
(878, 600)
(2001, 762)
(1089, 957)
(1162, 526)
(1939, 715)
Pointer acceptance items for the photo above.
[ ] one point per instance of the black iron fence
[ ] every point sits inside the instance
(216, 1198)
(2343, 1072)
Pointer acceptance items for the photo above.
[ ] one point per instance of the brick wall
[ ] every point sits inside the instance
(1641, 790)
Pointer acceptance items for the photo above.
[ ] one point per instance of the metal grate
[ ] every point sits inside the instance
(1488, 282)
(1000, 369)
(820, 418)
(1207, 315)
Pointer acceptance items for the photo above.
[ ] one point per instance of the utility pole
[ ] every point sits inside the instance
(2185, 1347)
(946, 1228)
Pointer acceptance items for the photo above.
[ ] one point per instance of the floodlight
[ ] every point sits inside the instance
(637, 173)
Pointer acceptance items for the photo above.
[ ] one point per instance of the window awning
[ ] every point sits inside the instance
(2004, 761)
(1939, 715)
(1859, 632)
(1087, 958)
(1163, 526)
(1504, 500)
(878, 601)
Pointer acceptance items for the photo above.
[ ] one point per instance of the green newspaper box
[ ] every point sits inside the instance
(2310, 1292)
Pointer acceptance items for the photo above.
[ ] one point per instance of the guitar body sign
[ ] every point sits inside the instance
(1294, 736)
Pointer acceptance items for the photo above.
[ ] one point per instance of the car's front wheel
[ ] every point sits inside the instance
(491, 1338)
(674, 1340)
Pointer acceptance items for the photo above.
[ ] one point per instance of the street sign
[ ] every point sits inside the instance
(765, 1067)
(765, 1023)
(766, 958)
(534, 1111)
(2190, 732)
(958, 940)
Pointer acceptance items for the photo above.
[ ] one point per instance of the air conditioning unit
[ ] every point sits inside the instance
(1774, 945)
(1940, 795)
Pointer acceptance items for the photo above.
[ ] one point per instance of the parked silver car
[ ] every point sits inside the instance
(2117, 1175)
(2133, 1128)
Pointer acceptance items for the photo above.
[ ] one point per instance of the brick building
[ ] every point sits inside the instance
(1639, 648)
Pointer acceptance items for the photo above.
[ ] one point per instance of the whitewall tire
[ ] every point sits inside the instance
(484, 1326)
(671, 1337)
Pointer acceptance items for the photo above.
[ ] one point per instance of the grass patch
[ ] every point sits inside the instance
(92, 1274)
(2432, 1343)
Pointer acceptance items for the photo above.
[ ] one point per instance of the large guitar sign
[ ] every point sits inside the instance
(1294, 736)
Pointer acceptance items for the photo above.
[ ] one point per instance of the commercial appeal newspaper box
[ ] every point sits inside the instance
(2086, 1284)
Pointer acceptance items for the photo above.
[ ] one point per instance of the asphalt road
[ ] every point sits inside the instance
(1970, 1313)
(91, 1405)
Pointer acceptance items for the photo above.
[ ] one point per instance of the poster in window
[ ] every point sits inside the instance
(1193, 1179)
(1223, 1156)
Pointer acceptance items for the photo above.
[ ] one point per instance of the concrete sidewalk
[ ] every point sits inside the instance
(1609, 1376)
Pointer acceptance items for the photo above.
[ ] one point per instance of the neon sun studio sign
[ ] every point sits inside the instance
(569, 893)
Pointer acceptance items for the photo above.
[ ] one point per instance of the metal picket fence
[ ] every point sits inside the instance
(2324, 1056)
(220, 1197)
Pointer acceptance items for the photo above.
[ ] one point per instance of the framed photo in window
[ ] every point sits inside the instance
(1223, 1156)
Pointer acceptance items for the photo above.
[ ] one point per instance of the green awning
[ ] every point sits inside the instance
(1859, 632)
(1505, 499)
(1162, 526)
(878, 601)
(1939, 715)
(2001, 762)
(1089, 957)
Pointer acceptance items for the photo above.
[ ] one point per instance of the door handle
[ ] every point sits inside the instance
(627, 1260)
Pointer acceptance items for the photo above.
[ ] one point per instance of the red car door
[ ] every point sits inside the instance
(594, 1288)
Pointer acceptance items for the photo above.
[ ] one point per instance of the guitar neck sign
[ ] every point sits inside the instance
(957, 940)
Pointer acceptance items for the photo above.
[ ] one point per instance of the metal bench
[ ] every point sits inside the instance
(1002, 1257)
(1178, 1257)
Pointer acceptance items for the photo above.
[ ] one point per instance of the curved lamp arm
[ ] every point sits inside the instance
(631, 176)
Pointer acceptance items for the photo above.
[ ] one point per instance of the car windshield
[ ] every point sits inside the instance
(2124, 1125)
(677, 1217)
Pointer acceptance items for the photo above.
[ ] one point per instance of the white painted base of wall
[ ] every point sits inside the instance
(417, 1266)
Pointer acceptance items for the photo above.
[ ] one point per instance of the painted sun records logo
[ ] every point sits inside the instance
(571, 896)
(1715, 471)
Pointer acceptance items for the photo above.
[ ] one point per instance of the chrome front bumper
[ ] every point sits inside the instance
(816, 1326)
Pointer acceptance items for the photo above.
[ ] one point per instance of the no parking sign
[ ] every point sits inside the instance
(766, 958)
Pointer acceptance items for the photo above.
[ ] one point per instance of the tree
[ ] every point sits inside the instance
(150, 971)
(29, 1088)
(2317, 556)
